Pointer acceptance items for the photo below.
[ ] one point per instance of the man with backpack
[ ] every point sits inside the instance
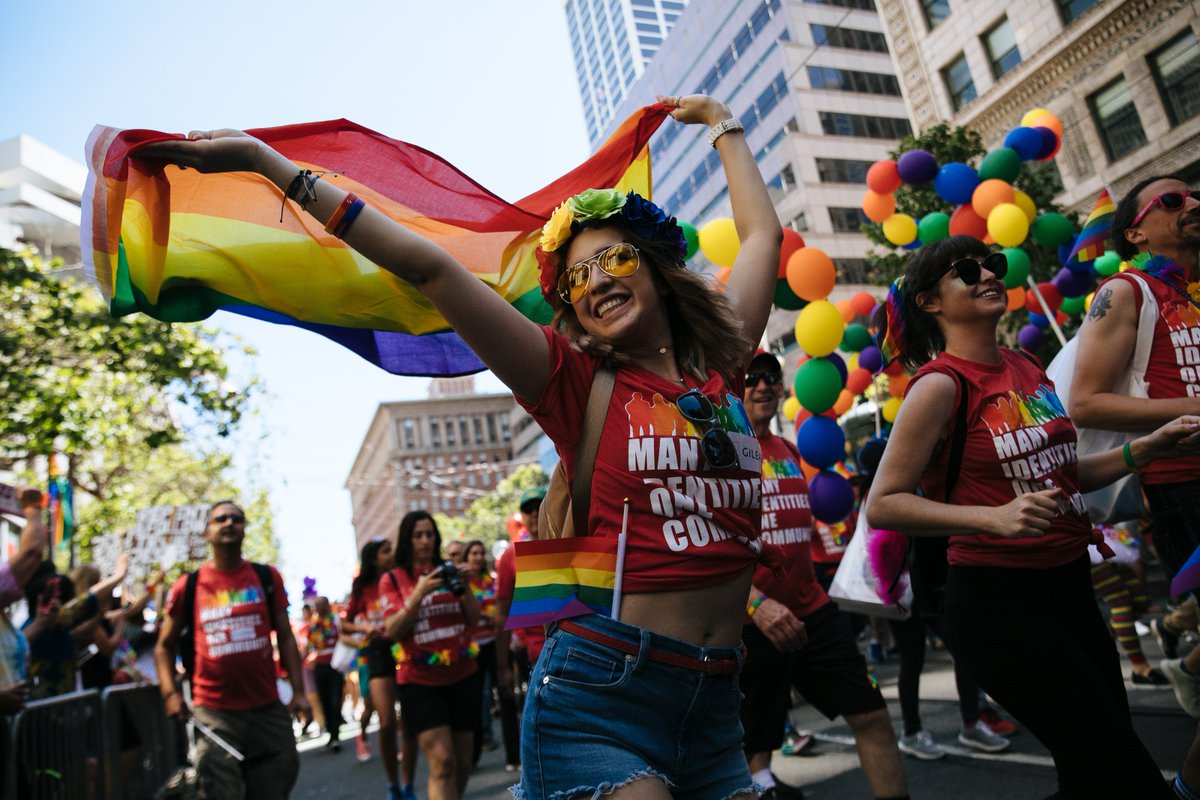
(794, 635)
(219, 620)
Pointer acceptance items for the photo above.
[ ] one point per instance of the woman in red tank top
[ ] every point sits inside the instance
(1020, 613)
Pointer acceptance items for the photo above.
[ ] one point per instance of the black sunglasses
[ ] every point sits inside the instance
(716, 445)
(969, 270)
(228, 518)
(752, 378)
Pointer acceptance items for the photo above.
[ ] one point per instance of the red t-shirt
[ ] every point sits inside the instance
(829, 542)
(438, 650)
(1019, 440)
(364, 608)
(533, 637)
(1174, 367)
(689, 526)
(787, 521)
(235, 662)
(321, 639)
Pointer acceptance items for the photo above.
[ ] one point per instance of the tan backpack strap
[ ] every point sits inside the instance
(589, 442)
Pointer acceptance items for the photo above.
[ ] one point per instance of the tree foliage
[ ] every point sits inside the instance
(948, 144)
(487, 517)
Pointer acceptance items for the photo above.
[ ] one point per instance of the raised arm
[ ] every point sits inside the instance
(752, 281)
(893, 503)
(33, 538)
(510, 345)
(1106, 343)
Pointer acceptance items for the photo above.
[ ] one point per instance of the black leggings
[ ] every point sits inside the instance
(910, 638)
(1175, 522)
(1035, 641)
(330, 683)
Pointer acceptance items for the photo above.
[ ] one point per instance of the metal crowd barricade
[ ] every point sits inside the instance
(140, 742)
(55, 750)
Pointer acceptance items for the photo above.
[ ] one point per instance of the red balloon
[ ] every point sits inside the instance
(858, 380)
(1050, 294)
(792, 242)
(883, 177)
(862, 303)
(964, 221)
(894, 368)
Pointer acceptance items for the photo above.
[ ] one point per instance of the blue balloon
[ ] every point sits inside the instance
(821, 442)
(955, 183)
(1039, 320)
(1049, 141)
(1064, 250)
(831, 497)
(1026, 141)
(913, 245)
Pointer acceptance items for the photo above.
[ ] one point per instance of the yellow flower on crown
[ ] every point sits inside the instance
(557, 229)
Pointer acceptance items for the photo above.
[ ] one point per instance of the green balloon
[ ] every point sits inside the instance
(1003, 163)
(1018, 267)
(856, 338)
(1071, 305)
(817, 385)
(1107, 264)
(785, 298)
(933, 227)
(691, 237)
(1051, 230)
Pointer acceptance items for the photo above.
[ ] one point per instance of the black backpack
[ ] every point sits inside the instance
(187, 633)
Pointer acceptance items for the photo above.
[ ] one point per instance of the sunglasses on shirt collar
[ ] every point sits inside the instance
(715, 444)
(969, 270)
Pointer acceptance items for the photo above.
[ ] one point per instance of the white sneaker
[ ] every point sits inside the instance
(981, 737)
(1187, 687)
(921, 745)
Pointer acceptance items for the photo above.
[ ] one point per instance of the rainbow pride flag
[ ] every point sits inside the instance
(179, 245)
(563, 578)
(60, 501)
(1090, 244)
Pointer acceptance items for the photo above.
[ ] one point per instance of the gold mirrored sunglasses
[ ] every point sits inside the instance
(621, 260)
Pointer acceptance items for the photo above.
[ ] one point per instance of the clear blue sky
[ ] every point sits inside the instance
(488, 85)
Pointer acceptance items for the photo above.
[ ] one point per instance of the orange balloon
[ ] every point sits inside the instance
(990, 194)
(811, 274)
(1050, 121)
(808, 469)
(858, 380)
(722, 276)
(845, 308)
(792, 242)
(878, 207)
(844, 403)
(863, 303)
(897, 384)
(1016, 298)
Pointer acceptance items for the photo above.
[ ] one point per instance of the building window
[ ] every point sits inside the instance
(409, 432)
(464, 432)
(935, 11)
(852, 270)
(1177, 70)
(799, 223)
(842, 170)
(848, 80)
(1002, 49)
(960, 87)
(847, 220)
(504, 432)
(849, 38)
(491, 427)
(478, 425)
(835, 123)
(785, 181)
(1072, 10)
(435, 435)
(862, 5)
(450, 436)
(1117, 119)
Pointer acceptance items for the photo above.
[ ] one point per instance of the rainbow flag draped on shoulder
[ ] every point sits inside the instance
(1090, 244)
(563, 578)
(179, 245)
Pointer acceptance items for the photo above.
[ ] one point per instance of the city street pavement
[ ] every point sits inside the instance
(830, 768)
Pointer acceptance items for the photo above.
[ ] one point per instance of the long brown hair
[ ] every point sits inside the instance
(705, 332)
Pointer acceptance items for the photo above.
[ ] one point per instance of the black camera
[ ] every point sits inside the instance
(451, 580)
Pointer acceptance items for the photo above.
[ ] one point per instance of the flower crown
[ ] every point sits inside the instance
(636, 212)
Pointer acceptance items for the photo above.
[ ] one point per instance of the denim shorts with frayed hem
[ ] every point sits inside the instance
(597, 719)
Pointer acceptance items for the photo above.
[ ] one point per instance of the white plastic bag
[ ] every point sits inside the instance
(1122, 500)
(343, 657)
(855, 586)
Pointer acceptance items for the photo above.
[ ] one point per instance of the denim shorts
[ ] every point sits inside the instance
(596, 719)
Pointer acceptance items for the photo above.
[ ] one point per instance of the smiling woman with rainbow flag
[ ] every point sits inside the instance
(643, 706)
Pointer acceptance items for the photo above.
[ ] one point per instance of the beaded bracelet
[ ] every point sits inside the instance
(302, 190)
(347, 211)
(753, 605)
(1127, 452)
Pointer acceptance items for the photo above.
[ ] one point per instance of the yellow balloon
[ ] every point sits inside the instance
(719, 241)
(900, 229)
(852, 362)
(1125, 265)
(1087, 301)
(1008, 225)
(1025, 203)
(1030, 116)
(891, 408)
(791, 407)
(819, 328)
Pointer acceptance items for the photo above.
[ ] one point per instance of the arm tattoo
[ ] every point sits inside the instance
(1101, 303)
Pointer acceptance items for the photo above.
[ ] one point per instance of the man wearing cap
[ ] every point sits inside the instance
(793, 634)
(530, 640)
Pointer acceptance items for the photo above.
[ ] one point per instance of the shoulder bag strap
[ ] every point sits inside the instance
(1147, 318)
(959, 439)
(589, 443)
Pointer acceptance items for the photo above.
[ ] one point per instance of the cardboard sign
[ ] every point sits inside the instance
(162, 537)
(8, 500)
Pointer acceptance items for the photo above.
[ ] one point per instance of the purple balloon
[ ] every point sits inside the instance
(1030, 337)
(871, 359)
(1049, 141)
(831, 497)
(840, 363)
(917, 167)
(1072, 284)
(955, 182)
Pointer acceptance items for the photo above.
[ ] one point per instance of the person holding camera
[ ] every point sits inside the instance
(429, 614)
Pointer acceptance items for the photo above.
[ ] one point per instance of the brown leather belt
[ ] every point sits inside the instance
(709, 666)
